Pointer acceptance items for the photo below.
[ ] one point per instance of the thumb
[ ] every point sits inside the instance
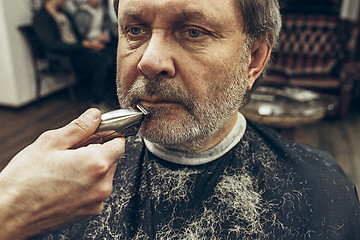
(76, 131)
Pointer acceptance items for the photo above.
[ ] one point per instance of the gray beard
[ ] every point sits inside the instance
(203, 118)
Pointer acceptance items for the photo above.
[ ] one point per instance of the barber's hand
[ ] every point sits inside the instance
(48, 185)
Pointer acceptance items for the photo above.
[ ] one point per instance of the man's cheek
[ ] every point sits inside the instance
(124, 81)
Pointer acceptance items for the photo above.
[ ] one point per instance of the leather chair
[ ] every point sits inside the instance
(316, 52)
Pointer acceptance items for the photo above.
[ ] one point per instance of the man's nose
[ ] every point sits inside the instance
(157, 60)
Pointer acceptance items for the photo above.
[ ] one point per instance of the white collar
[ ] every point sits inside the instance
(210, 155)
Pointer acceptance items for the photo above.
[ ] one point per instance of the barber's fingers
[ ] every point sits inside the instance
(114, 149)
(110, 151)
(79, 129)
(98, 163)
(98, 158)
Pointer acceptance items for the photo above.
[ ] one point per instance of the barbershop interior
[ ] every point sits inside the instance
(310, 93)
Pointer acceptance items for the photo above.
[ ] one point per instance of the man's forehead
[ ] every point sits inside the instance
(168, 3)
(178, 14)
(207, 10)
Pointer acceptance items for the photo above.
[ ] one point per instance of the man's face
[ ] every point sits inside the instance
(185, 61)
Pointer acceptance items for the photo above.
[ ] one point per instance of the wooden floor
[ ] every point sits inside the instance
(20, 127)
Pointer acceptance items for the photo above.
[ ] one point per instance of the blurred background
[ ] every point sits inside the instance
(311, 93)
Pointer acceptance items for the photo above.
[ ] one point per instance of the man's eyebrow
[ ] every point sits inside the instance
(134, 15)
(197, 16)
(191, 14)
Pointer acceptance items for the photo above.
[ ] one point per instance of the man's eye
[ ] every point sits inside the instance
(194, 33)
(134, 31)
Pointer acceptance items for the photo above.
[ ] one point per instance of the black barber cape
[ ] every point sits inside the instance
(266, 187)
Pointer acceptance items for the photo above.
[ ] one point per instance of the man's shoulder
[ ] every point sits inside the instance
(265, 140)
(302, 180)
(276, 155)
(297, 167)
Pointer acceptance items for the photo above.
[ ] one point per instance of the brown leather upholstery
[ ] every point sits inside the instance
(315, 52)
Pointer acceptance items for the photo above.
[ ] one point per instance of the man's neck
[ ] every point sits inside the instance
(222, 133)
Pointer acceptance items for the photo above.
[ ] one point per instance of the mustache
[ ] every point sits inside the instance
(160, 88)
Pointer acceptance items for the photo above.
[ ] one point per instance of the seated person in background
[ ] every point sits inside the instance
(198, 169)
(57, 32)
(93, 21)
(94, 24)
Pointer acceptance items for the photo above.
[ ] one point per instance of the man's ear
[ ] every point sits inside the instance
(260, 54)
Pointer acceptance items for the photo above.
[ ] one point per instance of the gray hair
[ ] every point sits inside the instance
(261, 19)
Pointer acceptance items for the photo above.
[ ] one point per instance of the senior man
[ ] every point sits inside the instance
(199, 169)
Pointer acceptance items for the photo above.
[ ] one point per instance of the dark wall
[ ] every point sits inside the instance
(310, 6)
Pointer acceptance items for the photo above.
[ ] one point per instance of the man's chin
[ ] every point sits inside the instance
(168, 128)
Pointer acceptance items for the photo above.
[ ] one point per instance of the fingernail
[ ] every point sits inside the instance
(92, 114)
